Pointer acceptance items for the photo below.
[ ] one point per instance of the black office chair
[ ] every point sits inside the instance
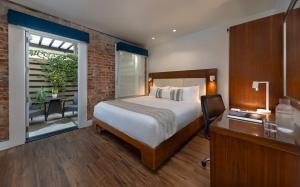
(212, 108)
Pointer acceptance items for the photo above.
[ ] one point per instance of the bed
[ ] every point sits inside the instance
(143, 131)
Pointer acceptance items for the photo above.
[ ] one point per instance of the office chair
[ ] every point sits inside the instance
(212, 108)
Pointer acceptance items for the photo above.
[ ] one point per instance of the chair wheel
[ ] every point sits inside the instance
(99, 129)
(205, 161)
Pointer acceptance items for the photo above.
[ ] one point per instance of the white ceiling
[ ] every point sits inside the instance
(138, 20)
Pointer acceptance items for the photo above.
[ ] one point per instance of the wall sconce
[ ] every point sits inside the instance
(212, 78)
(255, 85)
(150, 84)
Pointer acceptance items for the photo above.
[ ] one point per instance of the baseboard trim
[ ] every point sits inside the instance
(30, 139)
(88, 123)
(10, 144)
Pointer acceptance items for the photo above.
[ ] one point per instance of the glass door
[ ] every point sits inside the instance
(27, 94)
(51, 81)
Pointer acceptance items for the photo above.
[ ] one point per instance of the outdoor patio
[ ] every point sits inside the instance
(52, 85)
(38, 126)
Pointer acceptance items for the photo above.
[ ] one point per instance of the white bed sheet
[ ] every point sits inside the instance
(142, 127)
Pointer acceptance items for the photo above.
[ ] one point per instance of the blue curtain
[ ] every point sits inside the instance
(121, 46)
(25, 20)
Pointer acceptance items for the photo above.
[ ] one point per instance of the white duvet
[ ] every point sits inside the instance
(142, 127)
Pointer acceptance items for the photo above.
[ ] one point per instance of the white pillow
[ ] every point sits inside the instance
(166, 93)
(190, 93)
(153, 90)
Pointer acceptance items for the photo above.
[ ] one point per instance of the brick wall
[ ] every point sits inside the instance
(3, 77)
(101, 70)
(101, 63)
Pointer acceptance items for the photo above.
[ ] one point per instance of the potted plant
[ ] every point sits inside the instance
(60, 69)
(54, 92)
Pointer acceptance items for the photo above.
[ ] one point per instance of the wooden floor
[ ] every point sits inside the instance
(85, 158)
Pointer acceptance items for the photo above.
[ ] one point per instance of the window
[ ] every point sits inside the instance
(130, 74)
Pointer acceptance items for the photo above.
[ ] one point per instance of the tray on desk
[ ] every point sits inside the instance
(246, 116)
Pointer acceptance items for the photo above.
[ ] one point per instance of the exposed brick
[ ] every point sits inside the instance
(101, 63)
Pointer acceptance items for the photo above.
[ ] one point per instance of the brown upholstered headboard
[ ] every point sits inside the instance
(211, 86)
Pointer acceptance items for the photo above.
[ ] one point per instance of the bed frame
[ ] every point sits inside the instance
(153, 158)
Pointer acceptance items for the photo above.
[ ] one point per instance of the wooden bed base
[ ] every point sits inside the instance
(154, 157)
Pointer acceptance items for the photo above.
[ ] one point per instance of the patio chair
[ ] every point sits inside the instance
(74, 105)
(55, 106)
(35, 111)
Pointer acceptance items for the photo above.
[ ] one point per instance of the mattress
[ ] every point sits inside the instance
(142, 127)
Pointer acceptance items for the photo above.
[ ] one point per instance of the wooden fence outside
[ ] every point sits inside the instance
(38, 80)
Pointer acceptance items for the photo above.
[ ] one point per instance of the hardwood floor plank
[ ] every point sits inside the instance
(85, 158)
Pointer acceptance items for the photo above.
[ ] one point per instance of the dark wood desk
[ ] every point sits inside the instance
(242, 155)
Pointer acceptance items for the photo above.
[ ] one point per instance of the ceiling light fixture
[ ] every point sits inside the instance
(174, 30)
(153, 38)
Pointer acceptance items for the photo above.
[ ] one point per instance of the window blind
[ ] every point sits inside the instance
(121, 46)
(130, 74)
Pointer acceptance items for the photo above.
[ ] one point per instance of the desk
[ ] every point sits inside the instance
(242, 155)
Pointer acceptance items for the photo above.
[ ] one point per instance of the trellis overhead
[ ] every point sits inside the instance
(51, 43)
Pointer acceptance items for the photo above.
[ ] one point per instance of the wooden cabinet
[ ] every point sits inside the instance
(293, 55)
(242, 155)
(256, 54)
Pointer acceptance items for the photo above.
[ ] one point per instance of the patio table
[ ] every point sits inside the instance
(54, 105)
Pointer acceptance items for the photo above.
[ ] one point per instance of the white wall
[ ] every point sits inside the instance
(205, 49)
(282, 5)
(16, 40)
(82, 85)
(202, 50)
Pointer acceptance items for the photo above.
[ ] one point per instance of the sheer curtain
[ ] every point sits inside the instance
(130, 74)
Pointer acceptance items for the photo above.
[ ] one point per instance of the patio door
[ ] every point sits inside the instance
(53, 84)
(27, 94)
(19, 83)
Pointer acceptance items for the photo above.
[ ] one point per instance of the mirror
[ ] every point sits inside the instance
(292, 51)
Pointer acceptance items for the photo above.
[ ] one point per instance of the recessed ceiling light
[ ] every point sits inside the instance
(174, 30)
(153, 38)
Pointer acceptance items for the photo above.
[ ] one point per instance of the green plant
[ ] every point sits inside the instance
(41, 96)
(42, 54)
(59, 68)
